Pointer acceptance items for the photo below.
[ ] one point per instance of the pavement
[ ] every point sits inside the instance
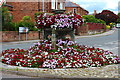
(76, 37)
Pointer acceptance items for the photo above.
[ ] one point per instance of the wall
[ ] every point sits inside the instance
(14, 36)
(89, 28)
(92, 28)
(21, 9)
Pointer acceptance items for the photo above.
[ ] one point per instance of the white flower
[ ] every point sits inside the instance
(39, 22)
(28, 60)
(21, 60)
(6, 58)
(93, 65)
(115, 61)
(33, 57)
(46, 53)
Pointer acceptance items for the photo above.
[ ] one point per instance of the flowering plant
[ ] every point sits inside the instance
(60, 20)
(67, 55)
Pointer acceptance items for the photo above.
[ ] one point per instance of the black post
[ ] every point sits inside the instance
(38, 5)
(39, 33)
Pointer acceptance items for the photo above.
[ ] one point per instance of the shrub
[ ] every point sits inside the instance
(7, 24)
(107, 27)
(27, 22)
(91, 18)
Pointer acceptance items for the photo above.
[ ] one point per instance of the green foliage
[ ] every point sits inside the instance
(91, 18)
(27, 22)
(119, 14)
(118, 20)
(107, 27)
(7, 24)
(26, 18)
(88, 18)
(112, 25)
(6, 17)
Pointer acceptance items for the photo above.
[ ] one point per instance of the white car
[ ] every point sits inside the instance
(117, 25)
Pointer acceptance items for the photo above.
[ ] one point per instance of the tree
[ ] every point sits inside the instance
(108, 16)
(6, 19)
(27, 22)
(91, 18)
(118, 20)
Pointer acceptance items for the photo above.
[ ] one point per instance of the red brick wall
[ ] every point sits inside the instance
(33, 35)
(95, 26)
(14, 36)
(21, 9)
(91, 27)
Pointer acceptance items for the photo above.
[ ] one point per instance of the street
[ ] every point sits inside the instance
(109, 42)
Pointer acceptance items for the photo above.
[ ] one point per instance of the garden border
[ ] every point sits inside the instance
(54, 73)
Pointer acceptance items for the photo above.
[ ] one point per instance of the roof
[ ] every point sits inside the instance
(69, 3)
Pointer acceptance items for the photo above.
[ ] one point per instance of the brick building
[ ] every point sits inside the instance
(73, 7)
(20, 9)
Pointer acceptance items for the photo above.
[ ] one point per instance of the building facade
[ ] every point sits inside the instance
(74, 8)
(20, 9)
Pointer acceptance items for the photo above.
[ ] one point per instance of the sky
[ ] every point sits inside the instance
(98, 5)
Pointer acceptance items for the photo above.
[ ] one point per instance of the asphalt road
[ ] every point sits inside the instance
(109, 42)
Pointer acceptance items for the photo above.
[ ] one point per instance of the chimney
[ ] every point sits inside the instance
(95, 12)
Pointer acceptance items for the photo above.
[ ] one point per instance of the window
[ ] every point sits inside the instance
(53, 4)
(58, 5)
(61, 5)
(74, 10)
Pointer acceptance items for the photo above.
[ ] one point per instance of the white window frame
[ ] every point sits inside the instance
(61, 5)
(53, 4)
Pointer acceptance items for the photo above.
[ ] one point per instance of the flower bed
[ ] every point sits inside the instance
(67, 55)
